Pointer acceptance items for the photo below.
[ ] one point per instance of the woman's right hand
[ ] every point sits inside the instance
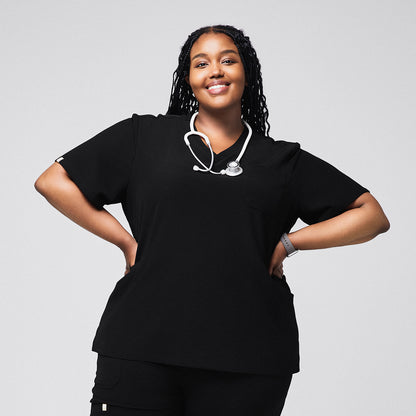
(130, 254)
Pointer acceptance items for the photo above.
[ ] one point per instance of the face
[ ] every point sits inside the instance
(216, 72)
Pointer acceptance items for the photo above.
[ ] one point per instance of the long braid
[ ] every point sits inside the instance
(253, 103)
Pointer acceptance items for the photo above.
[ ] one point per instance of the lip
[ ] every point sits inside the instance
(217, 83)
(219, 90)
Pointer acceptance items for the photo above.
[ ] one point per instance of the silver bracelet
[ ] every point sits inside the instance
(290, 249)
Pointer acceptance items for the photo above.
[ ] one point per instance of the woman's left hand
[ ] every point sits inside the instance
(130, 254)
(276, 262)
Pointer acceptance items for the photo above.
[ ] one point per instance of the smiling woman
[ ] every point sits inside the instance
(217, 79)
(204, 321)
(215, 66)
(212, 54)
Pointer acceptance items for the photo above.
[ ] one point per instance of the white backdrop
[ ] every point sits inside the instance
(338, 77)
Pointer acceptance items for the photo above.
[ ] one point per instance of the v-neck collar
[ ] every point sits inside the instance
(237, 145)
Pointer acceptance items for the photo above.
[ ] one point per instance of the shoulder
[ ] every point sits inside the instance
(160, 121)
(279, 149)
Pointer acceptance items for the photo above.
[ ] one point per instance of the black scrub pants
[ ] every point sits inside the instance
(142, 388)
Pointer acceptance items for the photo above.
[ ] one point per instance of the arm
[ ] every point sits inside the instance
(63, 194)
(363, 220)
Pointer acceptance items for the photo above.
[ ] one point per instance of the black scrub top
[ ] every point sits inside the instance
(199, 293)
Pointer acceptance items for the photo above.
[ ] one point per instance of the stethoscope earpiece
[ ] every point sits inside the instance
(233, 167)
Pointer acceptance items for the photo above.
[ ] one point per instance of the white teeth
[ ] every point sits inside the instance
(217, 86)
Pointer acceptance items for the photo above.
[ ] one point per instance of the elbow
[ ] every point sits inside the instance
(52, 177)
(40, 185)
(378, 227)
(44, 184)
(376, 216)
(384, 226)
(380, 224)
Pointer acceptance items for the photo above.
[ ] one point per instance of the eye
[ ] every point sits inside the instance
(228, 60)
(199, 65)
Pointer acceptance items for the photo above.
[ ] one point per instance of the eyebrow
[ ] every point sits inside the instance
(222, 52)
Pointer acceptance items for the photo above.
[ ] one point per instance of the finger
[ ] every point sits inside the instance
(276, 272)
(276, 269)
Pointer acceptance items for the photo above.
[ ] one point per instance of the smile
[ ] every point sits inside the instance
(217, 89)
(218, 86)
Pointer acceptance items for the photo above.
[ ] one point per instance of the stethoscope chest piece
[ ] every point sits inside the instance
(233, 168)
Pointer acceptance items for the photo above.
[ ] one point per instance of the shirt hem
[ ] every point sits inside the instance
(283, 371)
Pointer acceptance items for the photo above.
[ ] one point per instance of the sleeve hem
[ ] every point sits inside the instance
(81, 186)
(356, 194)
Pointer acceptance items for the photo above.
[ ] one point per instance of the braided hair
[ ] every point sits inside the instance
(253, 102)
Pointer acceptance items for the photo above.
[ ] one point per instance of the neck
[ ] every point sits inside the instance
(225, 122)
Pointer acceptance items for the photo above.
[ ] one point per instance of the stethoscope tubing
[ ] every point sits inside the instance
(208, 169)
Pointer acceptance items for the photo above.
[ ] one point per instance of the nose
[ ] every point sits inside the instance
(216, 70)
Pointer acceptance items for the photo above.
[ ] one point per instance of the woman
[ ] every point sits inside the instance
(202, 322)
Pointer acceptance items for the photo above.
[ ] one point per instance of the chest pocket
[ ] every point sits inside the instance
(263, 189)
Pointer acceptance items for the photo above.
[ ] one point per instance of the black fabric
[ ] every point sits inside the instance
(320, 190)
(199, 293)
(101, 166)
(140, 388)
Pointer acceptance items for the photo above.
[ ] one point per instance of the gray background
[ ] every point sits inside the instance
(338, 77)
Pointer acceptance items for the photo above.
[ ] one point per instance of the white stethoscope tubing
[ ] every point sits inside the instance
(193, 131)
(190, 148)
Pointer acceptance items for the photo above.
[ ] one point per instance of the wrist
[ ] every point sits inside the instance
(288, 245)
(126, 244)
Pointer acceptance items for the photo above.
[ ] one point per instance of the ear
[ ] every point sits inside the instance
(187, 79)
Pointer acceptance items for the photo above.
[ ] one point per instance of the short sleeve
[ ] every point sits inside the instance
(101, 165)
(320, 191)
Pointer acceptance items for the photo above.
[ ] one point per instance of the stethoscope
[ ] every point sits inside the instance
(233, 168)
